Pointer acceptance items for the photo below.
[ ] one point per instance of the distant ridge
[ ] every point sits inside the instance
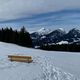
(55, 36)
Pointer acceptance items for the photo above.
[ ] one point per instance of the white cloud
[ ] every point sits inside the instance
(13, 9)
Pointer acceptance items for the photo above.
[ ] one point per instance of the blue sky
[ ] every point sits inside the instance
(40, 13)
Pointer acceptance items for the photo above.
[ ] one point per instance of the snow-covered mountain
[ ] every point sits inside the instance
(45, 66)
(73, 35)
(43, 31)
(44, 36)
(56, 34)
(39, 35)
(40, 32)
(53, 37)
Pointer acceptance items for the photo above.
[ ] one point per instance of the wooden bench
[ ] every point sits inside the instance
(27, 59)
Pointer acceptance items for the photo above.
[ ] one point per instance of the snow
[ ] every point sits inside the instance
(43, 31)
(62, 42)
(43, 37)
(61, 29)
(46, 65)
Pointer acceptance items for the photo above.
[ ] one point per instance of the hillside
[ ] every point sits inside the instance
(46, 65)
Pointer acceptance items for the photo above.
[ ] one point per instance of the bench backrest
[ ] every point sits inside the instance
(27, 59)
(15, 56)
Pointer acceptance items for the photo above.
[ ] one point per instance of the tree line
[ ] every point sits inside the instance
(21, 37)
(62, 47)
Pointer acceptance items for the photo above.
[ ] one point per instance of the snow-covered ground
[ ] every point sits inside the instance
(46, 65)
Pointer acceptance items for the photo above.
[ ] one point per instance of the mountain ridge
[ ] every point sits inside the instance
(55, 36)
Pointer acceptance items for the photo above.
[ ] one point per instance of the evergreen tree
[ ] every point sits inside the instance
(21, 37)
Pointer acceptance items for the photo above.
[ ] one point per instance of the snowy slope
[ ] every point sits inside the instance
(46, 65)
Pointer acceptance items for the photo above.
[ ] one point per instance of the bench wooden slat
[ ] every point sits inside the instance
(14, 56)
(27, 59)
(21, 60)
